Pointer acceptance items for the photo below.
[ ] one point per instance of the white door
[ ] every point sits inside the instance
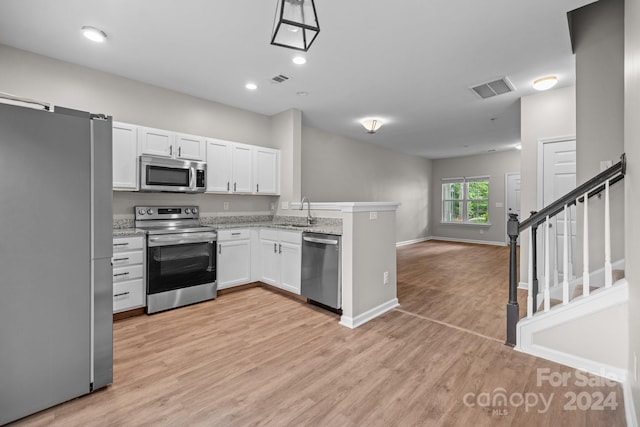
(269, 259)
(125, 157)
(265, 172)
(190, 147)
(218, 166)
(234, 263)
(291, 265)
(558, 179)
(241, 170)
(156, 142)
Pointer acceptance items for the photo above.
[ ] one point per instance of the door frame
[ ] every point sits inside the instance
(506, 204)
(540, 171)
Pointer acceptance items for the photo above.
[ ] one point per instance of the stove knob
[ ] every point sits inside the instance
(187, 210)
(150, 211)
(141, 212)
(194, 211)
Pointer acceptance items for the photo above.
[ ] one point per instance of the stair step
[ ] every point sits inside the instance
(618, 275)
(578, 291)
(552, 303)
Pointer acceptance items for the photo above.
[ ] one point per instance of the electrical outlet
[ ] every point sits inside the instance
(226, 206)
(385, 277)
(481, 231)
(273, 206)
(373, 215)
(285, 205)
(499, 205)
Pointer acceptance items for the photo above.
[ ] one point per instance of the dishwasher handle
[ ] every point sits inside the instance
(322, 241)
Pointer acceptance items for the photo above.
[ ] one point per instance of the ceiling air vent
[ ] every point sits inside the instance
(493, 88)
(280, 78)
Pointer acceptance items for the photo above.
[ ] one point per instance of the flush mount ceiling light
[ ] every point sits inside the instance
(544, 83)
(295, 25)
(251, 86)
(372, 125)
(94, 34)
(299, 60)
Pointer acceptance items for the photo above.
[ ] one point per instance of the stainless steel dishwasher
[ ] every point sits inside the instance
(321, 269)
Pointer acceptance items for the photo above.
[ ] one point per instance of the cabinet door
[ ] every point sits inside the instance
(290, 267)
(125, 157)
(266, 168)
(218, 166)
(241, 168)
(190, 147)
(234, 263)
(156, 142)
(269, 260)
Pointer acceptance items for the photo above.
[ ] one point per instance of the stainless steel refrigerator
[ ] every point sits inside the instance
(55, 257)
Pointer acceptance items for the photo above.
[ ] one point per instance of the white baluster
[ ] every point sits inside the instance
(585, 248)
(547, 272)
(565, 259)
(530, 278)
(608, 273)
(571, 275)
(556, 280)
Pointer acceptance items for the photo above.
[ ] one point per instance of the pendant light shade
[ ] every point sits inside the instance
(296, 24)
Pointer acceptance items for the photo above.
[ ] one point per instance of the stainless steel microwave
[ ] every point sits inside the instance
(172, 175)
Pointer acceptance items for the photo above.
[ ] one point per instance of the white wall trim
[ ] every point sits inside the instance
(629, 404)
(411, 242)
(361, 319)
(351, 206)
(455, 239)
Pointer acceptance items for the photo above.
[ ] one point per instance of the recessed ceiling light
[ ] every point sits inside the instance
(544, 83)
(299, 60)
(372, 125)
(94, 34)
(251, 86)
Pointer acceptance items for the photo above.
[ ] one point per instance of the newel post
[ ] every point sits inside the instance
(512, 307)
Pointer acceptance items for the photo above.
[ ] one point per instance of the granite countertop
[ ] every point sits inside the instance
(324, 226)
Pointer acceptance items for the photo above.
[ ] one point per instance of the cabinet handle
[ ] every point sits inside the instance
(275, 248)
(121, 259)
(171, 150)
(257, 188)
(121, 274)
(219, 249)
(227, 185)
(121, 244)
(235, 234)
(179, 151)
(234, 187)
(121, 294)
(280, 248)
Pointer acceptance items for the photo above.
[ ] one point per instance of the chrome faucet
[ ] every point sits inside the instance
(310, 219)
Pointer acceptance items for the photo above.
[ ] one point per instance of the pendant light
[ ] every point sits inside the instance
(296, 24)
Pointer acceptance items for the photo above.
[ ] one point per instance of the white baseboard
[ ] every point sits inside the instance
(411, 242)
(454, 239)
(361, 319)
(629, 405)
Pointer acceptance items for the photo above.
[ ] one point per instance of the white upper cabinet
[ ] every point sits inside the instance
(190, 147)
(125, 157)
(218, 166)
(241, 169)
(156, 142)
(164, 143)
(266, 170)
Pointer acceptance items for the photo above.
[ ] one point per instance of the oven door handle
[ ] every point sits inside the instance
(182, 240)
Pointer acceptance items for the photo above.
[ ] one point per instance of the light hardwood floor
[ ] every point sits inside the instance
(255, 357)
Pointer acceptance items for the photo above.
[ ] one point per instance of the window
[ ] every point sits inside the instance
(465, 200)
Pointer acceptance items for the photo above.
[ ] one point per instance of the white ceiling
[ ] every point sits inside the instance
(409, 62)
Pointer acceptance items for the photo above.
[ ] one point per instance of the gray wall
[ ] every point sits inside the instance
(598, 39)
(38, 77)
(495, 165)
(338, 169)
(632, 183)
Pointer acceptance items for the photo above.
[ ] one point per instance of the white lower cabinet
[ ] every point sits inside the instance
(128, 273)
(234, 257)
(281, 258)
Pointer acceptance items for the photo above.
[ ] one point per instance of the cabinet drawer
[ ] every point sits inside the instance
(268, 234)
(123, 244)
(122, 259)
(234, 234)
(294, 237)
(128, 272)
(128, 295)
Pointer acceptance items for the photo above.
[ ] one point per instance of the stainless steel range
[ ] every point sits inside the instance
(181, 258)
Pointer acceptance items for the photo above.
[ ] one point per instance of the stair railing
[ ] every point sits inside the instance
(581, 194)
